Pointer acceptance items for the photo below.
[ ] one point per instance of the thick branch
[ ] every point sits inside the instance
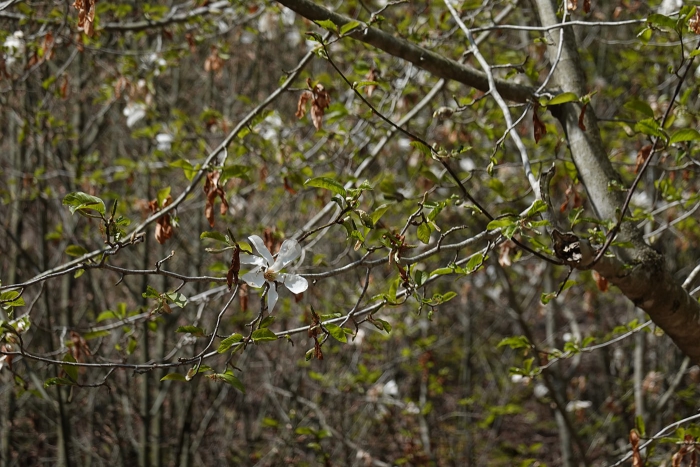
(430, 61)
(644, 279)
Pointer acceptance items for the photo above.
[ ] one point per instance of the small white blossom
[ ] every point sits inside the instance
(268, 269)
(164, 141)
(134, 111)
(575, 406)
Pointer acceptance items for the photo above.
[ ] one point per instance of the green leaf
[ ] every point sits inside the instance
(11, 298)
(57, 382)
(95, 334)
(662, 21)
(177, 299)
(76, 250)
(422, 148)
(219, 237)
(685, 134)
(537, 207)
(150, 293)
(228, 342)
(327, 184)
(363, 84)
(649, 126)
(263, 335)
(162, 196)
(336, 332)
(328, 24)
(423, 233)
(641, 107)
(515, 342)
(385, 324)
(475, 262)
(234, 171)
(194, 330)
(379, 212)
(563, 98)
(81, 201)
(174, 377)
(70, 370)
(502, 222)
(347, 27)
(231, 379)
(106, 315)
(267, 322)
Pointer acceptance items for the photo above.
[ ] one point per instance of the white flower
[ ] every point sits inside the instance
(134, 111)
(268, 269)
(164, 141)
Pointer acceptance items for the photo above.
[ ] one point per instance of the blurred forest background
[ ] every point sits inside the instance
(450, 338)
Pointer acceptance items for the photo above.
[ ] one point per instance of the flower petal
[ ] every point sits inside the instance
(255, 278)
(294, 282)
(271, 296)
(289, 251)
(262, 249)
(252, 259)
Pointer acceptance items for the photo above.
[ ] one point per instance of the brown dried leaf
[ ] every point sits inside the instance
(694, 22)
(636, 456)
(504, 253)
(581, 116)
(321, 101)
(86, 16)
(212, 189)
(540, 129)
(301, 105)
(243, 297)
(164, 228)
(371, 76)
(234, 268)
(586, 6)
(214, 63)
(642, 156)
(190, 41)
(600, 281)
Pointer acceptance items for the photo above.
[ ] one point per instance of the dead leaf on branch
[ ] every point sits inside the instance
(642, 156)
(581, 116)
(694, 22)
(600, 281)
(636, 456)
(586, 6)
(320, 100)
(540, 129)
(86, 15)
(214, 63)
(212, 189)
(164, 227)
(371, 76)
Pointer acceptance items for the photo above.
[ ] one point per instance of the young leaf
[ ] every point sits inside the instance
(80, 201)
(563, 98)
(194, 330)
(685, 134)
(347, 27)
(231, 379)
(263, 335)
(327, 184)
(228, 342)
(70, 370)
(336, 332)
(214, 235)
(75, 250)
(423, 233)
(173, 377)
